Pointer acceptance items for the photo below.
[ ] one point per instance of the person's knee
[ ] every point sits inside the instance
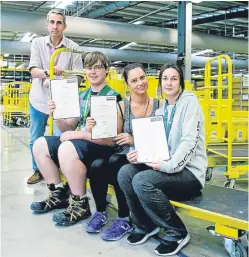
(40, 147)
(99, 164)
(98, 168)
(141, 183)
(114, 159)
(124, 176)
(67, 152)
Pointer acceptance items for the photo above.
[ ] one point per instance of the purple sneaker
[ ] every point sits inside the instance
(97, 221)
(117, 230)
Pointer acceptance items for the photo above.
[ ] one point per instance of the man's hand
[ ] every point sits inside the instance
(132, 156)
(51, 107)
(69, 135)
(124, 139)
(57, 71)
(46, 82)
(90, 123)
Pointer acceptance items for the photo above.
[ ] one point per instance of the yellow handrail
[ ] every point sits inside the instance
(222, 60)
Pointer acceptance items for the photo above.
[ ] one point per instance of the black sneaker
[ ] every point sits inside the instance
(57, 199)
(137, 238)
(77, 210)
(168, 248)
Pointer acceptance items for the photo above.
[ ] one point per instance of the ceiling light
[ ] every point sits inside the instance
(62, 4)
(117, 62)
(196, 1)
(127, 45)
(6, 55)
(138, 22)
(204, 52)
(197, 76)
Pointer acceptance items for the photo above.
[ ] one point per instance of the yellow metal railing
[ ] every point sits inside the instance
(16, 101)
(218, 112)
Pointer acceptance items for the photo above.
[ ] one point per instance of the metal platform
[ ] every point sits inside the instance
(221, 200)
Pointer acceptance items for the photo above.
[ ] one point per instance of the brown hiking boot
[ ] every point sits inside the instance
(35, 178)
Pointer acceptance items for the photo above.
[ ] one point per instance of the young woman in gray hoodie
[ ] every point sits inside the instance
(149, 187)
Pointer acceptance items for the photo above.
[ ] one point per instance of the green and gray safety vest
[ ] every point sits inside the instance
(85, 102)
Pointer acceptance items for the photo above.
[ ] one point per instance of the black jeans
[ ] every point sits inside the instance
(148, 193)
(102, 173)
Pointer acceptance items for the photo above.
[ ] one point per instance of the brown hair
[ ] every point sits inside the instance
(130, 67)
(178, 69)
(93, 57)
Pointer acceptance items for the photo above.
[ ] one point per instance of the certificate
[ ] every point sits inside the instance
(104, 112)
(65, 94)
(150, 139)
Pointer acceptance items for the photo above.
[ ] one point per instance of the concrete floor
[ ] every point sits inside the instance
(25, 234)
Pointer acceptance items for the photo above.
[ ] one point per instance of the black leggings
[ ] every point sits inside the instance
(103, 173)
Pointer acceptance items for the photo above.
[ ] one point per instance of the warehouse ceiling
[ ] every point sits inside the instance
(223, 18)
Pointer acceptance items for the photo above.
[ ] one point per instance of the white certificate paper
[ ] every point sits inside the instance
(104, 112)
(150, 139)
(65, 94)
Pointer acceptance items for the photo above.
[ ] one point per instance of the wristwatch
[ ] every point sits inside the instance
(46, 73)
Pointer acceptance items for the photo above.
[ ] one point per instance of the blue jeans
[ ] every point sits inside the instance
(148, 194)
(38, 122)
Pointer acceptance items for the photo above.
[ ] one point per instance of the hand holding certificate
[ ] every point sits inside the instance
(65, 94)
(150, 139)
(104, 112)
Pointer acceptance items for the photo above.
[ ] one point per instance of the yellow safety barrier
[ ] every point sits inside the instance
(116, 82)
(16, 104)
(226, 130)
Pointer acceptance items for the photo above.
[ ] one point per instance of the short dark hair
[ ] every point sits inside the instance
(177, 68)
(57, 11)
(93, 57)
(130, 67)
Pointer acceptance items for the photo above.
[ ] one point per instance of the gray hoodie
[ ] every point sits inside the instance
(187, 138)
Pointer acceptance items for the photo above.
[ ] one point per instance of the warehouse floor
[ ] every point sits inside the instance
(25, 234)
